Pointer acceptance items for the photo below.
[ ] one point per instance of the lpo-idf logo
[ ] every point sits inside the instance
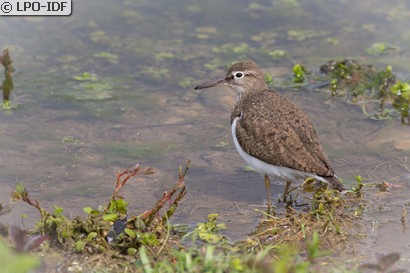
(37, 7)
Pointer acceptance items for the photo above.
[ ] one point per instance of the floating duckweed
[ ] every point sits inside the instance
(205, 32)
(164, 55)
(98, 36)
(132, 14)
(241, 48)
(268, 78)
(231, 48)
(185, 82)
(378, 48)
(277, 54)
(370, 28)
(155, 72)
(256, 6)
(86, 77)
(303, 34)
(96, 86)
(112, 58)
(332, 41)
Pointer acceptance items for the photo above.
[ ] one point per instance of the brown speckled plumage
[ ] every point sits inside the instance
(272, 129)
(276, 131)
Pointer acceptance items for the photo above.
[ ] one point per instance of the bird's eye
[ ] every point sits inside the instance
(239, 75)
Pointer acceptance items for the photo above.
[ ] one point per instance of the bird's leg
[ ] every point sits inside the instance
(285, 193)
(267, 186)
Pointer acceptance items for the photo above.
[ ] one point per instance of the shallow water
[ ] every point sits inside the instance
(66, 138)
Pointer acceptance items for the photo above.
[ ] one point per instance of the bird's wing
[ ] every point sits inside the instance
(276, 131)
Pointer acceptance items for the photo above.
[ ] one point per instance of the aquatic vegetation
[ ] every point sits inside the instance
(164, 55)
(186, 82)
(268, 78)
(332, 41)
(7, 85)
(358, 190)
(378, 48)
(110, 227)
(365, 84)
(208, 231)
(118, 238)
(155, 72)
(99, 36)
(277, 54)
(283, 8)
(298, 73)
(205, 32)
(401, 102)
(91, 88)
(112, 58)
(303, 34)
(231, 48)
(86, 77)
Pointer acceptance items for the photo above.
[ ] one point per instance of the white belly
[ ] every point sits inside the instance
(278, 172)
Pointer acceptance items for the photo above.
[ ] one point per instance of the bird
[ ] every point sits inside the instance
(271, 133)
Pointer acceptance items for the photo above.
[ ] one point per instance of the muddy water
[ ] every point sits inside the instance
(66, 137)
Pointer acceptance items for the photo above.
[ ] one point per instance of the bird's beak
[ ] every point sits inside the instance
(212, 84)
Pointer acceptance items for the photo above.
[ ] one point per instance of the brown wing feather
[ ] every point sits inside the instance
(276, 131)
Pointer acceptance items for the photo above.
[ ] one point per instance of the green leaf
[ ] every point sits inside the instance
(145, 260)
(20, 189)
(91, 236)
(130, 233)
(377, 48)
(58, 211)
(212, 217)
(237, 264)
(298, 73)
(79, 245)
(268, 78)
(313, 246)
(6, 105)
(131, 251)
(88, 210)
(209, 237)
(118, 205)
(221, 226)
(110, 217)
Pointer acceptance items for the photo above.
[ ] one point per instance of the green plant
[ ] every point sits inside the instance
(298, 73)
(401, 92)
(208, 231)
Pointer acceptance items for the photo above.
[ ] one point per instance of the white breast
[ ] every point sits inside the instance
(278, 172)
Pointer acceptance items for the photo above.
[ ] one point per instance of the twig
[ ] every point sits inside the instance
(124, 176)
(166, 237)
(149, 215)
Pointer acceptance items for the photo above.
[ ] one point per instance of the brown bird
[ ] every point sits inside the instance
(272, 134)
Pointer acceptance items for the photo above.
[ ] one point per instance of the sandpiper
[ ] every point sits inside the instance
(271, 133)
